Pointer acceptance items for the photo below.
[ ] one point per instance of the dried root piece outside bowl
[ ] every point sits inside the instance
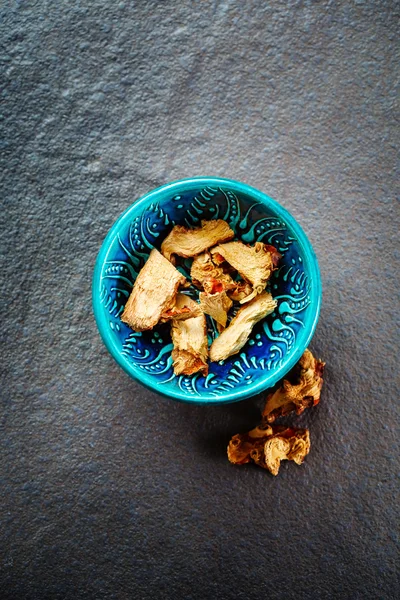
(189, 338)
(254, 263)
(303, 393)
(268, 445)
(217, 306)
(153, 293)
(189, 242)
(234, 337)
(242, 444)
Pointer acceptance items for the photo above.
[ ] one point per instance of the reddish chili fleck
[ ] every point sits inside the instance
(218, 258)
(217, 286)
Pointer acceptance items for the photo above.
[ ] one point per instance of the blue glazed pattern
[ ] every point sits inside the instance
(275, 344)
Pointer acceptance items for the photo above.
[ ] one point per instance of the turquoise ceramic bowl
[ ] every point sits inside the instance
(275, 344)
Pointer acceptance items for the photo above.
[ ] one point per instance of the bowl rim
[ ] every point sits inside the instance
(144, 379)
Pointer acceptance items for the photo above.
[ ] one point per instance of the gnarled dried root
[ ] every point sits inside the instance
(213, 279)
(153, 293)
(190, 242)
(217, 306)
(268, 445)
(254, 263)
(242, 291)
(189, 338)
(179, 311)
(300, 394)
(234, 337)
(205, 274)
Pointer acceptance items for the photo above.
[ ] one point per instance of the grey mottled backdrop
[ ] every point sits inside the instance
(109, 490)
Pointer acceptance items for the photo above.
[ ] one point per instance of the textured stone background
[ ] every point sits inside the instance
(108, 490)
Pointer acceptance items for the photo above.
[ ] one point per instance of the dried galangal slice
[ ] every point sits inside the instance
(189, 338)
(217, 306)
(254, 263)
(189, 242)
(153, 293)
(234, 337)
(303, 391)
(241, 291)
(208, 276)
(179, 311)
(268, 445)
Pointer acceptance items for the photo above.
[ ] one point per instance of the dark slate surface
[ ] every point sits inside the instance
(108, 490)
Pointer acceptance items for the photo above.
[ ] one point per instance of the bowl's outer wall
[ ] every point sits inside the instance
(275, 344)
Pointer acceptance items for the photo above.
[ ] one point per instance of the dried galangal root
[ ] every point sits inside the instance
(206, 275)
(302, 391)
(241, 291)
(153, 293)
(189, 242)
(268, 445)
(254, 263)
(179, 311)
(234, 337)
(189, 339)
(217, 306)
(210, 277)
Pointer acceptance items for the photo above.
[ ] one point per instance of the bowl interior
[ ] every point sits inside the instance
(275, 344)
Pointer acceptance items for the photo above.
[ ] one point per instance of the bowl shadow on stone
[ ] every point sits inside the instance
(214, 426)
